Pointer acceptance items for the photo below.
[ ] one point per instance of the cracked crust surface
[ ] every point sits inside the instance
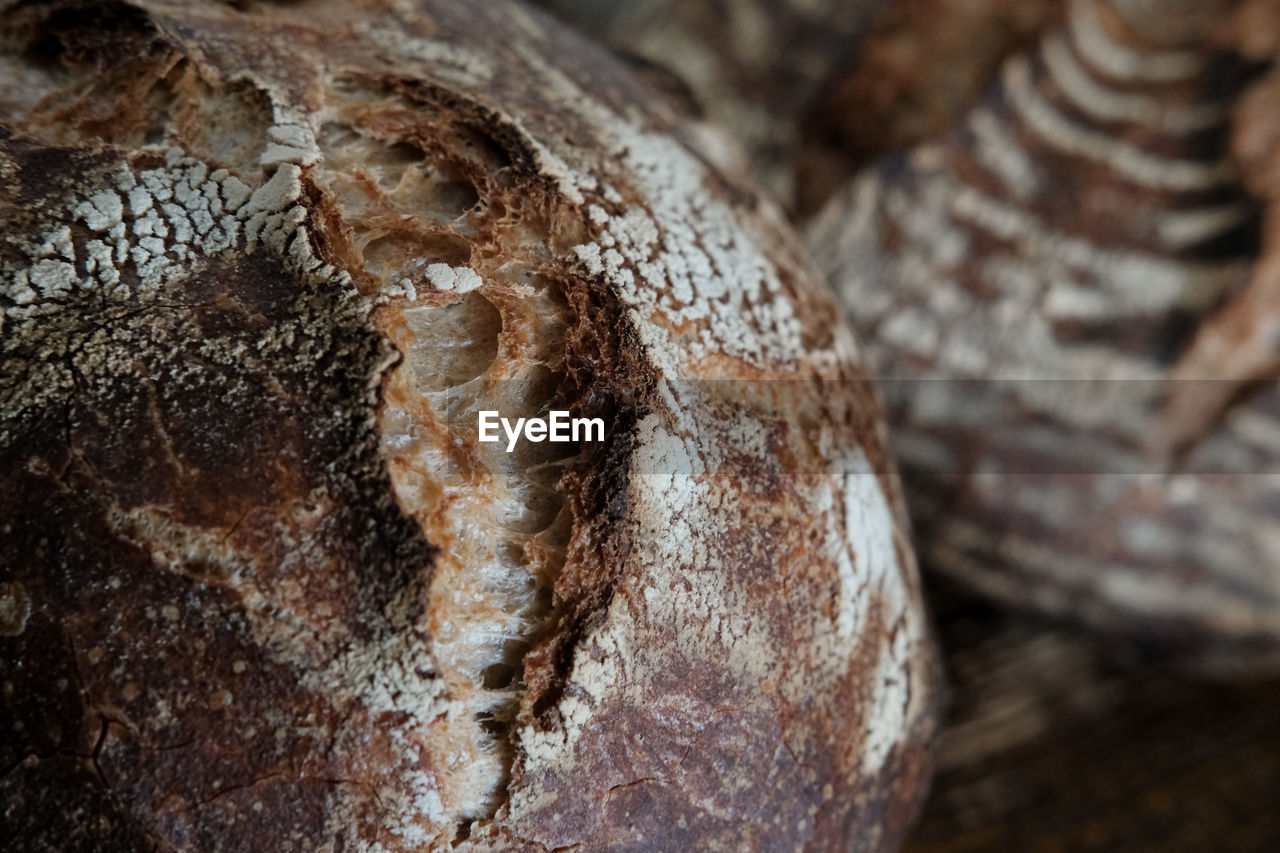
(263, 590)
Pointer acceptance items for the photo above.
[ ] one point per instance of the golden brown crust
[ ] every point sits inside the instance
(263, 264)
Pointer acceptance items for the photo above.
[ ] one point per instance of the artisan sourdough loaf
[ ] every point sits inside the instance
(1044, 287)
(263, 588)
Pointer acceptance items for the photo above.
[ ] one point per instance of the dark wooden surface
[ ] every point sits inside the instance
(1061, 741)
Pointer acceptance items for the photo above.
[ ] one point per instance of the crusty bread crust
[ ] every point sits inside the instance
(263, 589)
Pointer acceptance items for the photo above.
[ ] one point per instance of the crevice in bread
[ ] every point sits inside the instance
(438, 218)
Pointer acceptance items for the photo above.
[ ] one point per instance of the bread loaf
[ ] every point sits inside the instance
(263, 587)
(1027, 283)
